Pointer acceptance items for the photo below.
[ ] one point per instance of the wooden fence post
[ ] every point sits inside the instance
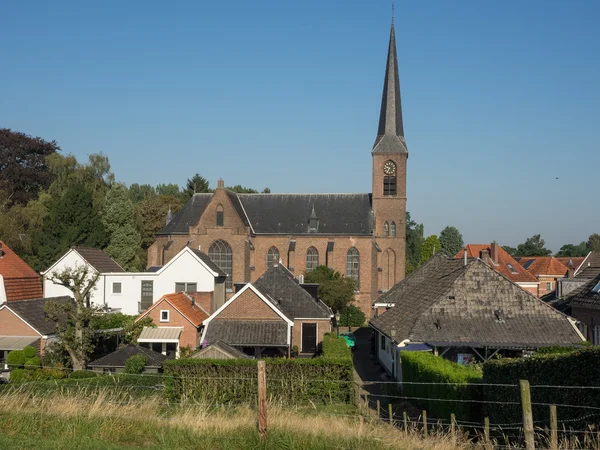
(553, 428)
(391, 414)
(453, 428)
(486, 432)
(527, 415)
(405, 419)
(424, 423)
(262, 400)
(378, 408)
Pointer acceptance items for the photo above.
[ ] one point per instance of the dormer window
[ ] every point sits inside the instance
(313, 221)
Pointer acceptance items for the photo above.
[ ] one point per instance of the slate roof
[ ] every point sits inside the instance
(21, 282)
(542, 265)
(586, 296)
(248, 333)
(451, 304)
(209, 262)
(284, 291)
(502, 266)
(32, 312)
(590, 267)
(188, 215)
(224, 347)
(99, 260)
(118, 358)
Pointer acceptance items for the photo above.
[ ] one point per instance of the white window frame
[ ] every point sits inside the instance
(120, 287)
(161, 315)
(548, 285)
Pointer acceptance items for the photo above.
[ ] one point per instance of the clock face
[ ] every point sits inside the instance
(389, 168)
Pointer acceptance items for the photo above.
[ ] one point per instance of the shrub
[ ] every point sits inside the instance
(334, 347)
(33, 363)
(29, 352)
(135, 364)
(79, 374)
(16, 358)
(19, 375)
(458, 383)
(352, 316)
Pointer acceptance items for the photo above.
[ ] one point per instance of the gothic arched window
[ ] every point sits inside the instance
(386, 229)
(220, 253)
(312, 259)
(272, 257)
(393, 229)
(220, 216)
(353, 266)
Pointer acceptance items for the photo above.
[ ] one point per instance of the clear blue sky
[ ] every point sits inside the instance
(499, 99)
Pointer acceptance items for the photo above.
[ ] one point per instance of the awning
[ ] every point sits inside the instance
(16, 342)
(415, 348)
(160, 334)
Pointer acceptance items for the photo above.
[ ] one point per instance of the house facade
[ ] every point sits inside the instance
(579, 275)
(361, 236)
(18, 281)
(584, 305)
(547, 269)
(189, 270)
(465, 311)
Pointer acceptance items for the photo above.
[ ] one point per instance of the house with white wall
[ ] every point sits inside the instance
(133, 292)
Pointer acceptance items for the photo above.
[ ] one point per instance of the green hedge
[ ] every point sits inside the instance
(461, 384)
(578, 368)
(325, 379)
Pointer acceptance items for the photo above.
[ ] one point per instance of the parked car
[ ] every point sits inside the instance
(350, 339)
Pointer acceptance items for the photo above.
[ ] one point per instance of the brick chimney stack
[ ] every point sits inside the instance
(485, 256)
(220, 183)
(570, 269)
(494, 252)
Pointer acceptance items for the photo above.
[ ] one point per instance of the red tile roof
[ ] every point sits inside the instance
(501, 266)
(195, 311)
(577, 260)
(21, 282)
(543, 265)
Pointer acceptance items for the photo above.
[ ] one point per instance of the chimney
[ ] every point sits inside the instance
(220, 184)
(494, 252)
(484, 255)
(570, 269)
(465, 256)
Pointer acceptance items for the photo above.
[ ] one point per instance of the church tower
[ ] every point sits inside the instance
(389, 176)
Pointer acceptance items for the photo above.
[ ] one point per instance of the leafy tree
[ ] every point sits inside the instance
(594, 242)
(119, 222)
(430, 247)
(72, 220)
(138, 192)
(510, 250)
(153, 213)
(242, 189)
(266, 190)
(451, 241)
(24, 171)
(570, 250)
(135, 364)
(170, 189)
(352, 316)
(335, 290)
(533, 246)
(196, 184)
(73, 318)
(414, 242)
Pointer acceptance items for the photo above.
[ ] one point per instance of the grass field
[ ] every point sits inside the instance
(110, 422)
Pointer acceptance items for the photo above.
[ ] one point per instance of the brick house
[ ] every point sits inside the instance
(361, 236)
(179, 316)
(23, 323)
(579, 275)
(269, 317)
(465, 310)
(547, 269)
(18, 281)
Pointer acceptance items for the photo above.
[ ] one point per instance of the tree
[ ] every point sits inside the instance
(138, 192)
(72, 220)
(335, 290)
(451, 241)
(238, 188)
(352, 316)
(430, 247)
(168, 190)
(570, 250)
(510, 250)
(414, 242)
(194, 185)
(266, 190)
(533, 246)
(73, 318)
(153, 213)
(24, 171)
(594, 242)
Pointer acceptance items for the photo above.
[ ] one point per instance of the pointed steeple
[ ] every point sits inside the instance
(390, 135)
(169, 215)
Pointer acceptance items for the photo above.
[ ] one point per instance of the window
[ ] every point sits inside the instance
(109, 370)
(393, 229)
(220, 253)
(389, 185)
(312, 259)
(179, 287)
(164, 315)
(548, 285)
(512, 269)
(596, 335)
(116, 288)
(147, 294)
(382, 339)
(353, 266)
(386, 229)
(272, 257)
(186, 287)
(220, 218)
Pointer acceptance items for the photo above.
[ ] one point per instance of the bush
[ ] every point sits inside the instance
(29, 352)
(16, 358)
(33, 363)
(423, 367)
(352, 316)
(334, 347)
(135, 364)
(19, 375)
(79, 374)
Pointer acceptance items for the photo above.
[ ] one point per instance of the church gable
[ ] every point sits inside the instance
(220, 212)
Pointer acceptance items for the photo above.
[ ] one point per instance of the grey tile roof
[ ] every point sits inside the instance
(118, 358)
(247, 333)
(224, 347)
(452, 304)
(98, 260)
(32, 311)
(280, 286)
(188, 215)
(590, 267)
(585, 296)
(209, 262)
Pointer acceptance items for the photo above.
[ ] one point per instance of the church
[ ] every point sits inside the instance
(362, 236)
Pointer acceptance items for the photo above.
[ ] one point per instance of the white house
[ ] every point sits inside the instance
(133, 292)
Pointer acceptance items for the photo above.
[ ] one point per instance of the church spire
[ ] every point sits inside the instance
(390, 135)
